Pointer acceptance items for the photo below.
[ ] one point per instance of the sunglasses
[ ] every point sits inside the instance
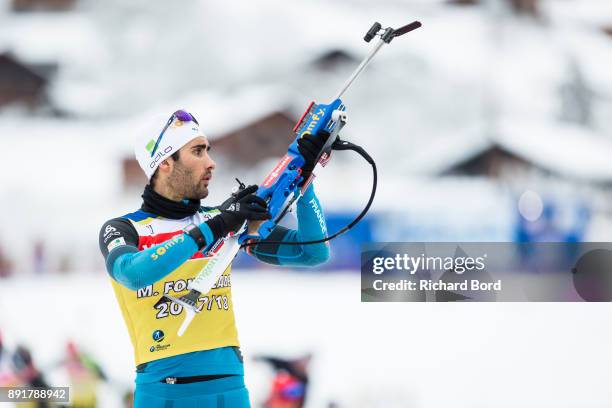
(181, 115)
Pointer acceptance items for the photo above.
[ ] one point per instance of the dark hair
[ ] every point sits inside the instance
(175, 156)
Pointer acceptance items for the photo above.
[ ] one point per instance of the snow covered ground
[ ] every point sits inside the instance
(421, 355)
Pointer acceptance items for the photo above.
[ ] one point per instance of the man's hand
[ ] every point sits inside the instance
(253, 227)
(310, 146)
(242, 206)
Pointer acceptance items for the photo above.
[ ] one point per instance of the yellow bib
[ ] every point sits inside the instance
(153, 331)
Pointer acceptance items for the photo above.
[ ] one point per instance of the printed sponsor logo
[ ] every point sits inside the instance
(161, 250)
(150, 146)
(215, 248)
(160, 156)
(314, 119)
(110, 232)
(277, 171)
(158, 336)
(159, 347)
(115, 243)
(109, 236)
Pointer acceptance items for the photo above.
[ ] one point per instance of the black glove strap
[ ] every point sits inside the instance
(196, 233)
(217, 226)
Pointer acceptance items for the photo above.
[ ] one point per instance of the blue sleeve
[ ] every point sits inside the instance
(311, 227)
(136, 269)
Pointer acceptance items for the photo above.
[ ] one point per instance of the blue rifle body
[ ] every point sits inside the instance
(282, 186)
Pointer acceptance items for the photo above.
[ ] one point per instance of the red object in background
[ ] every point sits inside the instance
(287, 392)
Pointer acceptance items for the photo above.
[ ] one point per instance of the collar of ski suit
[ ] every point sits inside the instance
(160, 205)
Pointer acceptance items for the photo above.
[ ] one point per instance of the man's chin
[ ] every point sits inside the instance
(200, 194)
(203, 193)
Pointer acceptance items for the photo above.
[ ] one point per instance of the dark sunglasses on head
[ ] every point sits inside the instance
(181, 115)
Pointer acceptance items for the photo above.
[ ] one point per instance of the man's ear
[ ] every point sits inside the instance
(166, 166)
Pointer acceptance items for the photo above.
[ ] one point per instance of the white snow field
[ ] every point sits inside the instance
(418, 355)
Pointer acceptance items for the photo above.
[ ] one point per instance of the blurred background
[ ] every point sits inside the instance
(493, 122)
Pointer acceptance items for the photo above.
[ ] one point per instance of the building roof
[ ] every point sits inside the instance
(7, 58)
(52, 37)
(569, 151)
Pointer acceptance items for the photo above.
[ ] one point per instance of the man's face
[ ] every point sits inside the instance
(191, 174)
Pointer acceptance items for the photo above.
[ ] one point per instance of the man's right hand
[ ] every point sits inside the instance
(310, 146)
(242, 206)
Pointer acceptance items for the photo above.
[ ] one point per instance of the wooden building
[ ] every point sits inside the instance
(42, 5)
(266, 137)
(20, 83)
